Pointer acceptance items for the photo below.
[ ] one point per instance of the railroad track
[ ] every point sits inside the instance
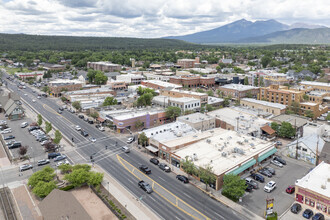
(6, 205)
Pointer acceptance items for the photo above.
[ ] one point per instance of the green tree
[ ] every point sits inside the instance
(226, 102)
(45, 175)
(77, 177)
(143, 139)
(49, 127)
(95, 178)
(249, 94)
(82, 166)
(309, 114)
(58, 137)
(91, 75)
(65, 168)
(42, 189)
(63, 99)
(328, 117)
(265, 60)
(188, 166)
(100, 78)
(173, 112)
(209, 107)
(246, 80)
(139, 124)
(286, 130)
(39, 121)
(76, 105)
(274, 126)
(109, 101)
(261, 82)
(206, 174)
(233, 187)
(210, 93)
(95, 115)
(256, 81)
(145, 99)
(295, 107)
(141, 91)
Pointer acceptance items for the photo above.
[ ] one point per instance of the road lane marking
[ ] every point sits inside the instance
(219, 215)
(120, 159)
(162, 179)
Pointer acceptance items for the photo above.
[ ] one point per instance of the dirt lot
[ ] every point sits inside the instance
(92, 204)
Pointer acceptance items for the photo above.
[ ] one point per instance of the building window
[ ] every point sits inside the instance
(304, 149)
(309, 202)
(321, 207)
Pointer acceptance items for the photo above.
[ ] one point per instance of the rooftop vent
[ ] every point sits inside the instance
(208, 140)
(323, 186)
(224, 154)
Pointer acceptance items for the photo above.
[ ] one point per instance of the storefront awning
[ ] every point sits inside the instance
(267, 154)
(243, 167)
(152, 149)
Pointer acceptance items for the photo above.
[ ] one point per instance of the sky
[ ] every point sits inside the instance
(149, 18)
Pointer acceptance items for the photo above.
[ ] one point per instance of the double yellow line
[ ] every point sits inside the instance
(120, 159)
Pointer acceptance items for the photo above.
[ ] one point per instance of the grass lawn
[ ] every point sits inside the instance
(11, 71)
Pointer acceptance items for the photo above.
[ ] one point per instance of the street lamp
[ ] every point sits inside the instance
(34, 160)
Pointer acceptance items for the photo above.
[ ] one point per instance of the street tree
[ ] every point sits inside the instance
(95, 115)
(82, 166)
(77, 177)
(45, 175)
(286, 130)
(63, 99)
(233, 187)
(139, 124)
(95, 178)
(39, 121)
(188, 166)
(58, 137)
(76, 105)
(42, 189)
(48, 127)
(143, 139)
(309, 114)
(172, 112)
(206, 174)
(274, 126)
(65, 168)
(109, 101)
(226, 102)
(22, 150)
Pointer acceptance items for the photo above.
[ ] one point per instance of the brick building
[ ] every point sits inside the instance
(157, 84)
(188, 63)
(104, 66)
(203, 97)
(238, 91)
(56, 87)
(193, 81)
(264, 106)
(280, 94)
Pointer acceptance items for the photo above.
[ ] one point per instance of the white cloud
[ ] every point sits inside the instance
(145, 18)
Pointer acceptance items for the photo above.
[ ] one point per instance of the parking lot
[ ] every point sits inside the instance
(285, 176)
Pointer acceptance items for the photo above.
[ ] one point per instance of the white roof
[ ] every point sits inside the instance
(189, 92)
(195, 117)
(309, 103)
(311, 141)
(190, 60)
(84, 91)
(136, 114)
(317, 180)
(212, 100)
(312, 83)
(106, 63)
(163, 84)
(65, 81)
(239, 87)
(265, 103)
(211, 149)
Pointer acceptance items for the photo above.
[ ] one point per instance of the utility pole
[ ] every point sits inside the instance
(317, 152)
(295, 127)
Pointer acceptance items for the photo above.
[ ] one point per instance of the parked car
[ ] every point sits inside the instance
(101, 128)
(59, 158)
(258, 177)
(164, 167)
(318, 216)
(125, 149)
(6, 131)
(25, 167)
(278, 143)
(130, 140)
(81, 116)
(14, 145)
(290, 189)
(265, 172)
(145, 186)
(279, 159)
(92, 139)
(61, 109)
(182, 178)
(145, 169)
(32, 128)
(9, 137)
(24, 125)
(43, 162)
(248, 188)
(276, 163)
(252, 183)
(295, 208)
(84, 133)
(10, 142)
(90, 121)
(53, 155)
(270, 186)
(78, 128)
(59, 112)
(154, 161)
(271, 170)
(308, 213)
(62, 162)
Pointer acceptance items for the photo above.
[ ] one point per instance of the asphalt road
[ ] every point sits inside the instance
(65, 122)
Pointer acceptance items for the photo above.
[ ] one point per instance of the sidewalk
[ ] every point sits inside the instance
(216, 195)
(132, 204)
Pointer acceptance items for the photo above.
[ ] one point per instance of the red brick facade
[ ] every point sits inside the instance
(193, 81)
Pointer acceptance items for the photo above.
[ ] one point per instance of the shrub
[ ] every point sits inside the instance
(67, 188)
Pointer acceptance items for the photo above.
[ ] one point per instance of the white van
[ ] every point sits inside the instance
(125, 149)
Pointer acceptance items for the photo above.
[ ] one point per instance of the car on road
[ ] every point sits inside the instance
(62, 162)
(125, 149)
(53, 155)
(279, 159)
(295, 208)
(9, 137)
(38, 97)
(145, 169)
(270, 186)
(81, 116)
(25, 94)
(154, 161)
(290, 189)
(61, 108)
(265, 172)
(253, 183)
(318, 216)
(248, 188)
(182, 178)
(130, 140)
(43, 162)
(25, 167)
(101, 128)
(84, 133)
(258, 177)
(271, 170)
(33, 100)
(276, 163)
(308, 213)
(92, 139)
(145, 186)
(24, 125)
(59, 111)
(164, 167)
(15, 145)
(77, 127)
(59, 158)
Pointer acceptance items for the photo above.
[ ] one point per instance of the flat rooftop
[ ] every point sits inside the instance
(317, 180)
(137, 113)
(292, 119)
(189, 92)
(169, 131)
(309, 103)
(195, 117)
(105, 63)
(265, 103)
(224, 150)
(84, 91)
(212, 100)
(163, 84)
(66, 81)
(239, 87)
(312, 83)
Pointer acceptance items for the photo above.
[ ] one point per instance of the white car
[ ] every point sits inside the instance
(62, 162)
(25, 94)
(39, 97)
(270, 186)
(33, 100)
(25, 167)
(92, 139)
(78, 128)
(24, 124)
(101, 129)
(6, 131)
(276, 163)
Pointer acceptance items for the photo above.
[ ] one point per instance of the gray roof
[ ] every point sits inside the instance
(312, 142)
(9, 103)
(325, 153)
(12, 108)
(62, 205)
(292, 119)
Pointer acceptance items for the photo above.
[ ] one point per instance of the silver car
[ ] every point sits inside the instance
(276, 163)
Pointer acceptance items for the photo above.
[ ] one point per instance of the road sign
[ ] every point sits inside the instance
(269, 206)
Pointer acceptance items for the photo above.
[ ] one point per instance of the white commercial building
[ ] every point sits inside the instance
(184, 103)
(130, 78)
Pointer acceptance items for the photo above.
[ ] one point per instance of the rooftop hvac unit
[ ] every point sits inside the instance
(323, 186)
(224, 154)
(195, 156)
(246, 140)
(208, 140)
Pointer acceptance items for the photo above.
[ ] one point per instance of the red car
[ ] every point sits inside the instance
(290, 189)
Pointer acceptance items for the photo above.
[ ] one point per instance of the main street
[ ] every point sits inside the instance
(106, 158)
